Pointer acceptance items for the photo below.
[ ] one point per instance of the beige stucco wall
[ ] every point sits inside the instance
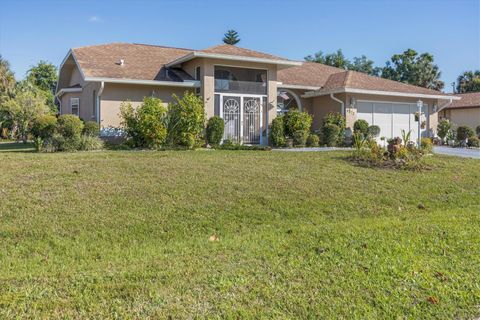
(87, 101)
(114, 94)
(463, 117)
(322, 105)
(71, 75)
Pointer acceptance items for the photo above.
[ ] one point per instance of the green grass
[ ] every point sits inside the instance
(300, 235)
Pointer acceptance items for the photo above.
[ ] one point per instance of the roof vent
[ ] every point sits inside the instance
(121, 62)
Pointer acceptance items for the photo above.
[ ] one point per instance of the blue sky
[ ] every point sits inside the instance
(450, 30)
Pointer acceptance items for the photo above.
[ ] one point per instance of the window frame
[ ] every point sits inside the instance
(75, 101)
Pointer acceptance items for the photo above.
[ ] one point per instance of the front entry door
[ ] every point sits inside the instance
(243, 118)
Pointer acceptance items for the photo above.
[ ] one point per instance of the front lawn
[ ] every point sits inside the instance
(236, 234)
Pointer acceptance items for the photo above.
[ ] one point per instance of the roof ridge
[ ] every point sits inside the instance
(160, 46)
(347, 78)
(98, 45)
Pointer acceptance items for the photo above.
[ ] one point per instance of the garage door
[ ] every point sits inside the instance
(392, 118)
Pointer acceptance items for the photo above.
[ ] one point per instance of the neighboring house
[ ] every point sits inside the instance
(248, 89)
(464, 112)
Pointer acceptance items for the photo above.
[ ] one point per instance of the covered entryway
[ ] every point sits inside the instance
(393, 117)
(243, 117)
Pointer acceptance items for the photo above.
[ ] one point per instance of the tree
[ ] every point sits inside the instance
(7, 80)
(231, 37)
(44, 77)
(469, 81)
(338, 59)
(335, 59)
(412, 68)
(364, 65)
(23, 110)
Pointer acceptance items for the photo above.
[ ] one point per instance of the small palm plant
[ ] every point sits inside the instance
(359, 141)
(406, 137)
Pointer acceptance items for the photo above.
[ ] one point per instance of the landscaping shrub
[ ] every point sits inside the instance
(373, 131)
(295, 120)
(215, 129)
(70, 126)
(313, 140)
(300, 138)
(443, 127)
(397, 156)
(331, 134)
(473, 142)
(59, 143)
(186, 121)
(464, 132)
(477, 130)
(426, 145)
(361, 126)
(91, 128)
(337, 119)
(89, 143)
(44, 126)
(145, 125)
(277, 132)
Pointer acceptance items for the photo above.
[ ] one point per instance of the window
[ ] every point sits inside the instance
(75, 106)
(197, 77)
(240, 80)
(285, 102)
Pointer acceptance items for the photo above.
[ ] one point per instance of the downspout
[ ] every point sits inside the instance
(339, 101)
(446, 105)
(97, 107)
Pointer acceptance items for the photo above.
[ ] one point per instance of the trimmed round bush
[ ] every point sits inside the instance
(295, 120)
(473, 142)
(214, 130)
(313, 140)
(373, 131)
(361, 126)
(277, 133)
(330, 134)
(91, 128)
(464, 132)
(70, 126)
(300, 138)
(44, 126)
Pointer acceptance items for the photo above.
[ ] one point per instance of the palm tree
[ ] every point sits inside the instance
(7, 79)
(231, 37)
(469, 81)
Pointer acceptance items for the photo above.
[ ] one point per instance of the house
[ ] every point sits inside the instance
(464, 112)
(248, 89)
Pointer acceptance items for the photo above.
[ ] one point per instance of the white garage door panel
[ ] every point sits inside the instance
(365, 111)
(401, 119)
(382, 117)
(392, 118)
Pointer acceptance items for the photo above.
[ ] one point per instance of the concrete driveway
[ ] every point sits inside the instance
(458, 152)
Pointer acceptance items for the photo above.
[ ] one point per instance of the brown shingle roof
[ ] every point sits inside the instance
(308, 74)
(469, 100)
(237, 51)
(331, 78)
(143, 62)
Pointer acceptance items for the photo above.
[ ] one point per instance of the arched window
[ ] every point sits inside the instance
(286, 100)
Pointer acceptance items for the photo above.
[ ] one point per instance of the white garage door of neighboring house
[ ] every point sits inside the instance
(392, 118)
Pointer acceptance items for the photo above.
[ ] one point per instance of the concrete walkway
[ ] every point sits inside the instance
(313, 149)
(458, 152)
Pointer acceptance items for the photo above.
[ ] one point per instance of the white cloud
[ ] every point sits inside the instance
(94, 19)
